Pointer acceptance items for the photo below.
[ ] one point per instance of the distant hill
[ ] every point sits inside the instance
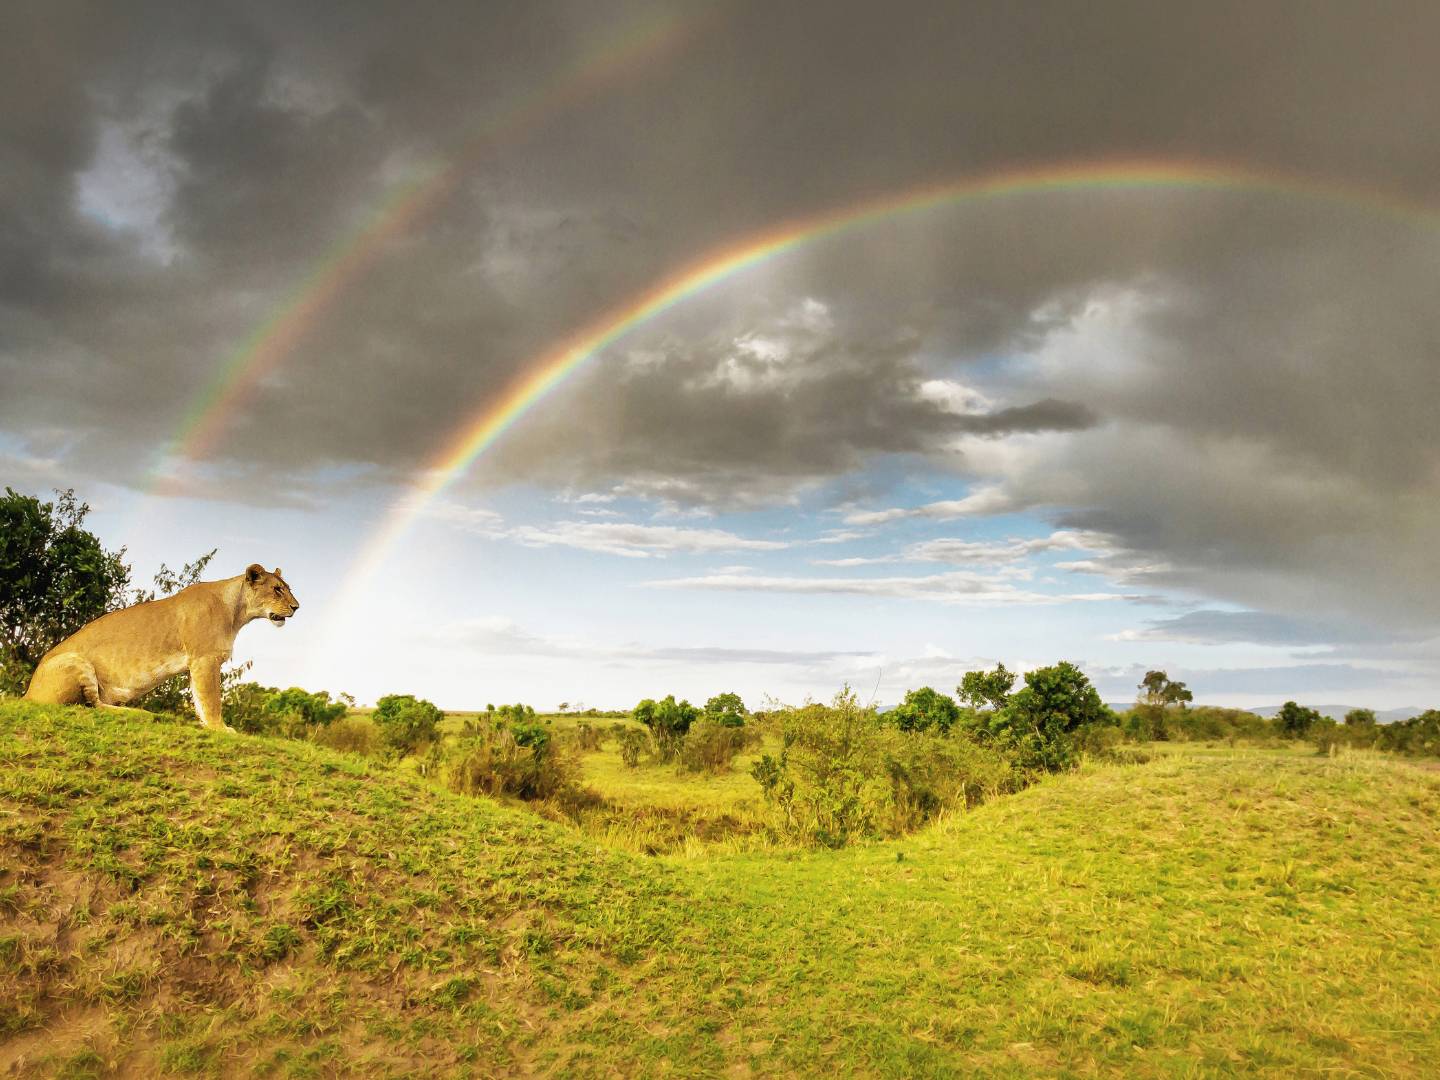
(1335, 712)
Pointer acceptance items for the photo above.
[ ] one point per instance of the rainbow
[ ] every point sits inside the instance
(263, 350)
(551, 368)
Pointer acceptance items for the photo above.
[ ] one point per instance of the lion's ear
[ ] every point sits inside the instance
(253, 572)
(277, 572)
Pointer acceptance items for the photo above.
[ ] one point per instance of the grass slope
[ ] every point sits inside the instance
(176, 900)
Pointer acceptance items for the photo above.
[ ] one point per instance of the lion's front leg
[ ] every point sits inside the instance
(205, 690)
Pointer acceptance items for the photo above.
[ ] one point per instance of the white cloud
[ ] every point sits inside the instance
(960, 552)
(637, 541)
(958, 587)
(986, 502)
(955, 397)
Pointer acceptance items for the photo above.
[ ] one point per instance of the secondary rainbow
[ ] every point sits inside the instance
(271, 342)
(552, 367)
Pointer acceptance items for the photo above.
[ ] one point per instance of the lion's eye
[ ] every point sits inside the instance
(277, 590)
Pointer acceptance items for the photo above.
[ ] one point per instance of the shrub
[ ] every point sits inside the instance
(510, 759)
(1294, 721)
(843, 772)
(406, 722)
(587, 737)
(633, 743)
(930, 774)
(712, 744)
(353, 734)
(243, 706)
(727, 709)
(1418, 736)
(1039, 723)
(925, 709)
(291, 712)
(668, 721)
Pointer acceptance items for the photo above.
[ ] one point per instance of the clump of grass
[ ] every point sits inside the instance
(352, 734)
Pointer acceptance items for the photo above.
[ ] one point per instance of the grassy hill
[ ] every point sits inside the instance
(176, 900)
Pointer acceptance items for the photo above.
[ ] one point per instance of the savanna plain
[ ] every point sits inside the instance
(806, 900)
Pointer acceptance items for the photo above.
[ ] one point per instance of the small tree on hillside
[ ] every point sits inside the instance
(925, 709)
(986, 689)
(1159, 689)
(1041, 720)
(1360, 718)
(1295, 721)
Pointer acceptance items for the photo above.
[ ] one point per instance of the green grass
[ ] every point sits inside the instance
(176, 900)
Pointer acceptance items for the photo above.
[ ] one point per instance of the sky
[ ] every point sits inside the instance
(589, 351)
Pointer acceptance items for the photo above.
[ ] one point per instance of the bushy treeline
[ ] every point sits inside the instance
(1418, 736)
(700, 739)
(846, 770)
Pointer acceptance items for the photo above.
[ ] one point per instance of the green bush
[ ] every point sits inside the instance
(844, 773)
(243, 704)
(925, 709)
(406, 722)
(633, 743)
(1294, 721)
(587, 738)
(711, 745)
(353, 734)
(668, 721)
(293, 712)
(1417, 737)
(1039, 723)
(520, 760)
(726, 709)
(1205, 723)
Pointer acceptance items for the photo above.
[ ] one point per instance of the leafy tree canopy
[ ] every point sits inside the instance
(925, 709)
(1041, 719)
(1295, 721)
(1157, 688)
(986, 689)
(405, 721)
(727, 709)
(54, 578)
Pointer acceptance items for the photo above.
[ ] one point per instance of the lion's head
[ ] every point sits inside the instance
(267, 596)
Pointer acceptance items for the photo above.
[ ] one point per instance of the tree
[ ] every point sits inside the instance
(925, 709)
(727, 710)
(54, 578)
(1295, 721)
(1159, 689)
(668, 721)
(1360, 718)
(406, 722)
(1041, 719)
(986, 689)
(297, 708)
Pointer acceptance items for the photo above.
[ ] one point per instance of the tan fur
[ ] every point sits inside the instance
(127, 653)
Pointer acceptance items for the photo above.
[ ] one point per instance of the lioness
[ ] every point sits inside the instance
(127, 653)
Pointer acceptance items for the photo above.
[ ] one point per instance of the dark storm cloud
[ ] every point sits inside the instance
(1254, 425)
(1208, 626)
(745, 420)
